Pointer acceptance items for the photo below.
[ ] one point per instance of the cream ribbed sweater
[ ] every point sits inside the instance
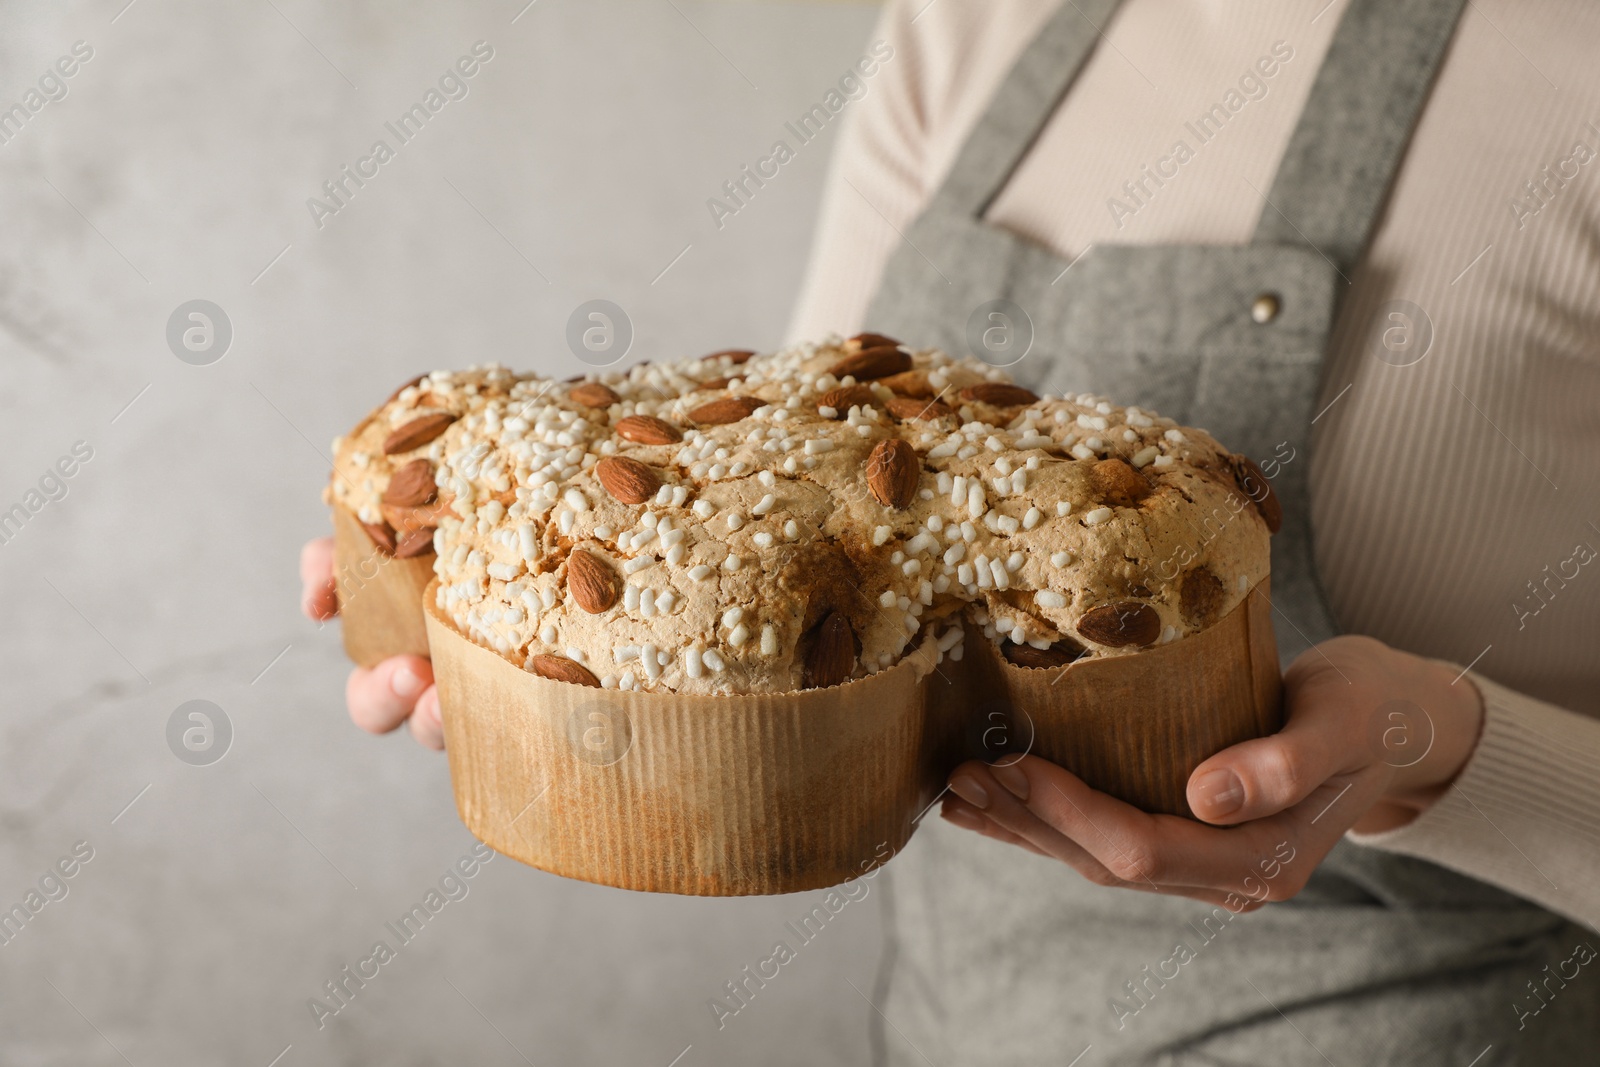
(1456, 500)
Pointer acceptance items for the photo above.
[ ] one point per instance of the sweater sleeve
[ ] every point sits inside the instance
(944, 61)
(1523, 813)
(874, 188)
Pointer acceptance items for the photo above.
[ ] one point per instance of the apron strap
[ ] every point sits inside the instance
(1021, 106)
(1368, 92)
(1343, 154)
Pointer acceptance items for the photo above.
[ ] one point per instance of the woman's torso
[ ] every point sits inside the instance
(1449, 497)
(1006, 958)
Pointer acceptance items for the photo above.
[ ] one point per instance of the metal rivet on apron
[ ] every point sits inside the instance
(1265, 307)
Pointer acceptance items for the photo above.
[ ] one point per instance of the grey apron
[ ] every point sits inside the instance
(997, 956)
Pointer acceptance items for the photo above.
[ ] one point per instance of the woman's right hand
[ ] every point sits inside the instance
(400, 689)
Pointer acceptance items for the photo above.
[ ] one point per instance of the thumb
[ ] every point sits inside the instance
(1266, 775)
(382, 697)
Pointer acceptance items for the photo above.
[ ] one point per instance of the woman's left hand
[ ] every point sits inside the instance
(1372, 737)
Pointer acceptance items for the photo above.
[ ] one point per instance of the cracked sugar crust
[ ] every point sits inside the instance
(760, 528)
(362, 468)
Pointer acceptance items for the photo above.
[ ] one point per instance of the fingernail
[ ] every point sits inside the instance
(970, 791)
(963, 818)
(404, 683)
(1011, 776)
(1219, 793)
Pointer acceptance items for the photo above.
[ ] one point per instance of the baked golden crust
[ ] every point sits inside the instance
(723, 561)
(366, 460)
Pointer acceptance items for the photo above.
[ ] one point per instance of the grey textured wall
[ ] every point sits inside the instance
(220, 898)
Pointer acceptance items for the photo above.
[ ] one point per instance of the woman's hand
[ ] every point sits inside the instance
(1373, 736)
(397, 690)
